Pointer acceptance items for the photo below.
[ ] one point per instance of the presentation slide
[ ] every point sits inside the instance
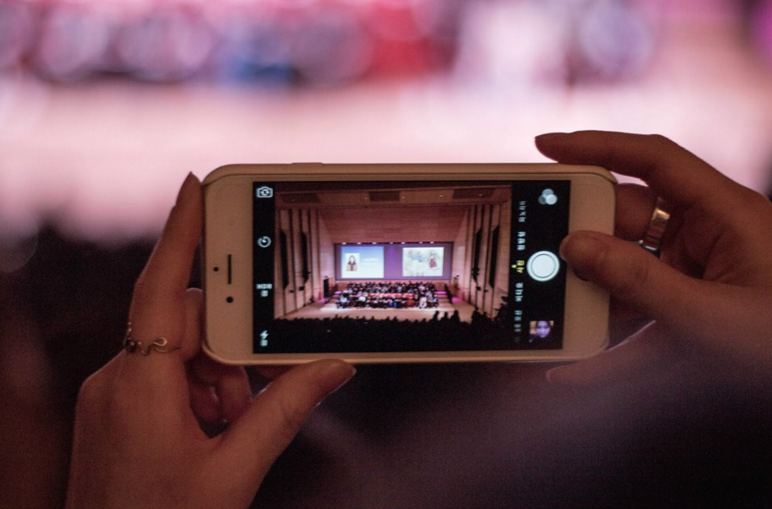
(361, 262)
(409, 260)
(423, 261)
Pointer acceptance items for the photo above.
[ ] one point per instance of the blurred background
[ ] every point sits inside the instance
(105, 106)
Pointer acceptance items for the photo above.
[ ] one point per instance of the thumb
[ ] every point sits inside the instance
(651, 287)
(260, 435)
(635, 277)
(639, 355)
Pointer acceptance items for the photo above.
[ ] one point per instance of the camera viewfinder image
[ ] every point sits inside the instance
(408, 266)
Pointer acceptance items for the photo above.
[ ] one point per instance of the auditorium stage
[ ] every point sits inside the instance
(328, 309)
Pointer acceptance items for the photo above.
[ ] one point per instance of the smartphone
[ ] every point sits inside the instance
(401, 262)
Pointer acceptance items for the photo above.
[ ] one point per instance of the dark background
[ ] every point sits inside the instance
(104, 108)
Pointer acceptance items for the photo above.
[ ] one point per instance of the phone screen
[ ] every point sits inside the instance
(405, 266)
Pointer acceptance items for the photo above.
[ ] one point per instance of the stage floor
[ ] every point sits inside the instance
(328, 309)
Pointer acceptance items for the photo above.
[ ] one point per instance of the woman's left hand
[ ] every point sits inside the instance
(137, 440)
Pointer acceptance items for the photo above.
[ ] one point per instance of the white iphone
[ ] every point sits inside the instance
(401, 262)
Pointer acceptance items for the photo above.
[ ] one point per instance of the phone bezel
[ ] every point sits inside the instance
(228, 241)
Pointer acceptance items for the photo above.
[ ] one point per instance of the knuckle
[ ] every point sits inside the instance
(660, 150)
(660, 140)
(148, 292)
(141, 289)
(90, 393)
(662, 145)
(87, 394)
(756, 201)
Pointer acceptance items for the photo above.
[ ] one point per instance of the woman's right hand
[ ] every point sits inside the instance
(711, 290)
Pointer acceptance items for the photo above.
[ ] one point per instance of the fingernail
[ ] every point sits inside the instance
(561, 375)
(581, 276)
(340, 373)
(580, 247)
(551, 136)
(551, 375)
(190, 182)
(348, 374)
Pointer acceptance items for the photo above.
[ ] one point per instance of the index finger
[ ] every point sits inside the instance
(673, 173)
(168, 271)
(158, 304)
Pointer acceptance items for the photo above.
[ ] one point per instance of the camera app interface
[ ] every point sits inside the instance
(408, 266)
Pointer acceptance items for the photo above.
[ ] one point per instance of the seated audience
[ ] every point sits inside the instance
(383, 295)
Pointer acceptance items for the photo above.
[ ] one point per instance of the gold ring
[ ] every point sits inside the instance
(132, 345)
